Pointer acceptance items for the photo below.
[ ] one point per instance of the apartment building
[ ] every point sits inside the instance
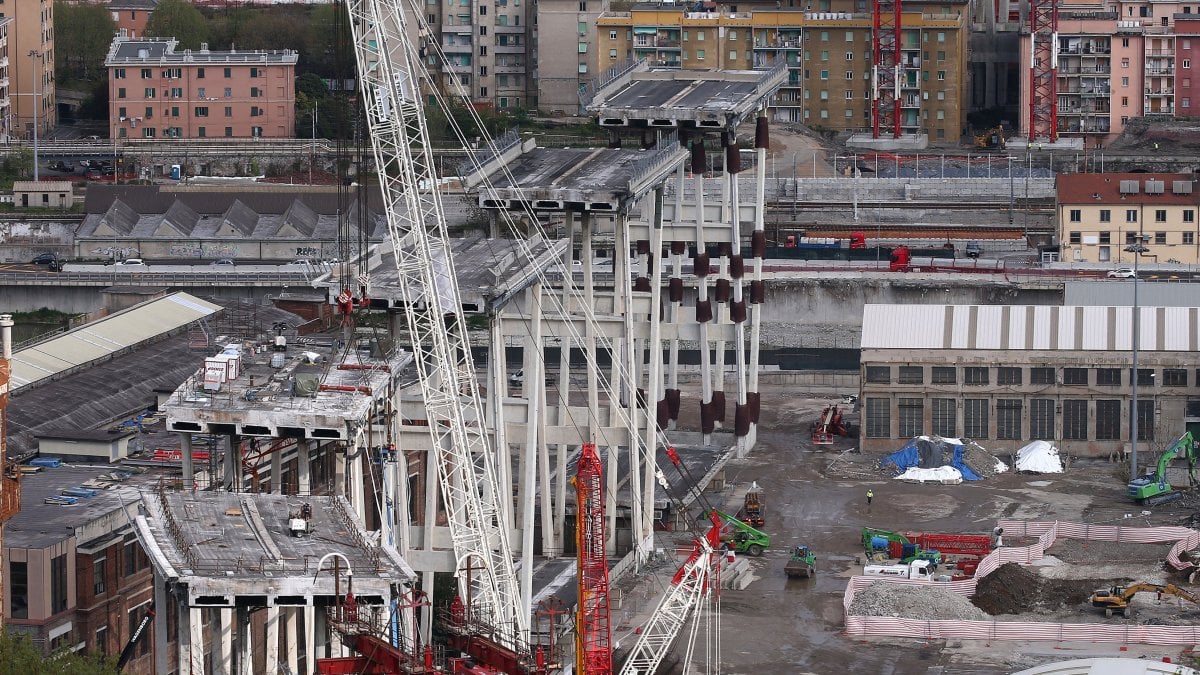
(488, 48)
(828, 56)
(131, 16)
(1099, 214)
(565, 27)
(158, 92)
(9, 127)
(28, 63)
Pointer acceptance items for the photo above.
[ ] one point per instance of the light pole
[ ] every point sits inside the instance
(1137, 248)
(313, 158)
(36, 56)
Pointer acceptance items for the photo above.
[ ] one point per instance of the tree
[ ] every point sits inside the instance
(82, 35)
(180, 20)
(19, 655)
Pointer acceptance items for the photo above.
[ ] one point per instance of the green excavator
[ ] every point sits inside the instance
(1153, 488)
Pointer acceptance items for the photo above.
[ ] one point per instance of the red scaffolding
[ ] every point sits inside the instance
(886, 70)
(1043, 70)
(593, 641)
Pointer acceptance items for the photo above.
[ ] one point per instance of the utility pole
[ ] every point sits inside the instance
(313, 157)
(36, 56)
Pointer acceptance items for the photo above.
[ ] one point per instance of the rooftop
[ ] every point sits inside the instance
(42, 186)
(226, 546)
(673, 98)
(161, 51)
(39, 524)
(1113, 188)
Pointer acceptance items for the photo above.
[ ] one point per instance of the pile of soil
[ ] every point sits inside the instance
(1013, 589)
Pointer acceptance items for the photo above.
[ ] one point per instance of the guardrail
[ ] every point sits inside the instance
(151, 277)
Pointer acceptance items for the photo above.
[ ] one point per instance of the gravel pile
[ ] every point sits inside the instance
(930, 603)
(982, 462)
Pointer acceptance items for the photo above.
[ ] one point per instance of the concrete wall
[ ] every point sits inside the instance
(85, 299)
(20, 240)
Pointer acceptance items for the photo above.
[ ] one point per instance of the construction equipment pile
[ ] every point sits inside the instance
(929, 603)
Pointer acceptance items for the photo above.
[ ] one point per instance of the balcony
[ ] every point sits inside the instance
(458, 48)
(1159, 92)
(458, 68)
(1155, 72)
(1170, 53)
(463, 28)
(509, 49)
(510, 69)
(508, 29)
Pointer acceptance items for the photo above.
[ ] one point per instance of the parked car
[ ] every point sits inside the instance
(223, 262)
(61, 166)
(132, 262)
(44, 258)
(974, 250)
(1122, 273)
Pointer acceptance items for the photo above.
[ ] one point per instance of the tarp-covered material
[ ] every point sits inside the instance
(947, 475)
(1039, 457)
(929, 452)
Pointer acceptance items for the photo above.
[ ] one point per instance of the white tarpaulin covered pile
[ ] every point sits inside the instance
(1039, 457)
(946, 475)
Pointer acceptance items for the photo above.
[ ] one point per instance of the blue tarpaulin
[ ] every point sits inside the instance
(928, 452)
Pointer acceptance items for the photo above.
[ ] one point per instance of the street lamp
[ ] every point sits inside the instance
(36, 56)
(1137, 248)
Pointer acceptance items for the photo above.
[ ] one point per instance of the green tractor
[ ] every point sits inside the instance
(802, 563)
(745, 539)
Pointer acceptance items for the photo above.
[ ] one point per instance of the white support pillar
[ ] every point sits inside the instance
(625, 360)
(291, 651)
(196, 639)
(245, 665)
(183, 641)
(498, 392)
(223, 642)
(761, 142)
(427, 610)
(322, 636)
(277, 471)
(340, 451)
(655, 392)
(310, 639)
(355, 457)
(554, 521)
(161, 639)
(303, 469)
(737, 307)
(231, 473)
(189, 470)
(271, 646)
(699, 166)
(535, 383)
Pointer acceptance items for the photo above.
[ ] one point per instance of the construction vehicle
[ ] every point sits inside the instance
(802, 563)
(753, 507)
(898, 261)
(828, 425)
(744, 539)
(1152, 489)
(917, 569)
(991, 138)
(1118, 598)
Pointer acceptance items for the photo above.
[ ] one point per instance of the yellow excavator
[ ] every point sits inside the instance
(991, 138)
(1117, 598)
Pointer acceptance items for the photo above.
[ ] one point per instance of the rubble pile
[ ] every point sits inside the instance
(982, 462)
(1013, 589)
(928, 603)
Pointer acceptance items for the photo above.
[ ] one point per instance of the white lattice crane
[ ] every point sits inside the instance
(388, 57)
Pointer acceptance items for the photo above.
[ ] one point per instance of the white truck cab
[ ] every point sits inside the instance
(917, 569)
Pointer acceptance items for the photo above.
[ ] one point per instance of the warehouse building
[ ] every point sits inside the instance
(1006, 375)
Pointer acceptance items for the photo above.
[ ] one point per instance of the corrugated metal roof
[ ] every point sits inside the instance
(1120, 292)
(1029, 327)
(103, 338)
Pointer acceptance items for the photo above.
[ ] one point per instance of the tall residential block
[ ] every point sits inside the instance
(566, 29)
(827, 55)
(29, 61)
(158, 92)
(488, 50)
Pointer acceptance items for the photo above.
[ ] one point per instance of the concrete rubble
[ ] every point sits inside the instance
(930, 603)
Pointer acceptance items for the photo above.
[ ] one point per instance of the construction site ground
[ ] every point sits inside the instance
(777, 625)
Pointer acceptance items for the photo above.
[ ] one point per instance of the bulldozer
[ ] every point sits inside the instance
(991, 138)
(1117, 598)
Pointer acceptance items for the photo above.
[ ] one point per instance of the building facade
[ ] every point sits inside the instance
(828, 56)
(8, 124)
(1007, 375)
(157, 92)
(488, 49)
(565, 27)
(29, 65)
(1100, 214)
(131, 16)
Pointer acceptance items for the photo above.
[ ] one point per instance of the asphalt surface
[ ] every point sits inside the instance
(777, 625)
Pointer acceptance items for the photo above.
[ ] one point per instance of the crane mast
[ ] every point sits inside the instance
(593, 637)
(389, 64)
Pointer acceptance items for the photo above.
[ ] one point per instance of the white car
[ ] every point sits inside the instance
(1122, 273)
(223, 262)
(132, 262)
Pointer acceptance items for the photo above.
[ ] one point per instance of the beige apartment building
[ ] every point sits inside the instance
(828, 55)
(564, 28)
(28, 64)
(158, 92)
(488, 49)
(1099, 214)
(9, 127)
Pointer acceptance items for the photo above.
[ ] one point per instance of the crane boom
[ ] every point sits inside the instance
(389, 65)
(593, 638)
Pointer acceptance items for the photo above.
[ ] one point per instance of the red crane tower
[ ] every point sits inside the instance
(885, 71)
(1043, 70)
(593, 641)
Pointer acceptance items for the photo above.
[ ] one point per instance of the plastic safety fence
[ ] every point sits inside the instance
(1046, 533)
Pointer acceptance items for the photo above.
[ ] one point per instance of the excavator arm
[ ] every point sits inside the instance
(1153, 488)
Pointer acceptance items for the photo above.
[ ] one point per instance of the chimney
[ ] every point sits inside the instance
(6, 324)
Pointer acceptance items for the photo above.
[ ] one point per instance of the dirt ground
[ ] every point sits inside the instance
(777, 625)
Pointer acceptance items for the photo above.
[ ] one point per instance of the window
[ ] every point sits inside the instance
(1075, 376)
(1187, 63)
(256, 111)
(849, 36)
(1008, 419)
(733, 56)
(912, 417)
(202, 132)
(612, 35)
(975, 418)
(1131, 215)
(58, 584)
(941, 37)
(849, 57)
(228, 132)
(1105, 215)
(1189, 238)
(824, 74)
(121, 132)
(945, 375)
(18, 580)
(1108, 377)
(879, 419)
(121, 112)
(911, 375)
(199, 73)
(483, 10)
(149, 92)
(1108, 420)
(879, 374)
(1041, 418)
(149, 112)
(1145, 420)
(1160, 215)
(1124, 81)
(1074, 238)
(1075, 419)
(1145, 377)
(941, 75)
(482, 71)
(146, 73)
(583, 47)
(824, 36)
(102, 639)
(118, 73)
(256, 132)
(1106, 237)
(612, 53)
(975, 375)
(174, 111)
(945, 417)
(255, 92)
(1124, 101)
(1125, 63)
(177, 92)
(201, 111)
(699, 54)
(133, 558)
(941, 56)
(148, 132)
(228, 92)
(121, 92)
(1189, 216)
(824, 94)
(229, 111)
(1008, 375)
(228, 73)
(1076, 217)
(99, 571)
(849, 76)
(700, 35)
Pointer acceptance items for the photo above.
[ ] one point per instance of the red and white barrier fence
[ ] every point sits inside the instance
(1046, 534)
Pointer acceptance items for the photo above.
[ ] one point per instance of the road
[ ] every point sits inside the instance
(778, 625)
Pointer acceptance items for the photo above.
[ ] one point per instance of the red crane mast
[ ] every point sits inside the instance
(885, 110)
(1043, 70)
(593, 639)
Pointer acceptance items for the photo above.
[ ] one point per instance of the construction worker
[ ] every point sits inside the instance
(870, 496)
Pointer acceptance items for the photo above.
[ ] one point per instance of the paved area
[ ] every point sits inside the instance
(778, 625)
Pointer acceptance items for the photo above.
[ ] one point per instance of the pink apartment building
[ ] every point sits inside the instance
(158, 92)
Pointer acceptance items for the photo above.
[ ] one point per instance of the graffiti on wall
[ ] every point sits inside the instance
(116, 252)
(203, 250)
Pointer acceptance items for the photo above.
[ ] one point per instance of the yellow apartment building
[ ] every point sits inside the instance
(1099, 214)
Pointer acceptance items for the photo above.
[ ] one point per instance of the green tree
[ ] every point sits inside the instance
(19, 655)
(180, 20)
(82, 35)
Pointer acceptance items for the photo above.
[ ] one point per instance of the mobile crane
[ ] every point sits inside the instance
(1152, 489)
(1117, 598)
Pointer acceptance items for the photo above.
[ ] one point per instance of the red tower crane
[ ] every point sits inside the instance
(593, 639)
(885, 69)
(1043, 70)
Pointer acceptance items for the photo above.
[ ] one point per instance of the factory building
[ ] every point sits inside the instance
(1006, 375)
